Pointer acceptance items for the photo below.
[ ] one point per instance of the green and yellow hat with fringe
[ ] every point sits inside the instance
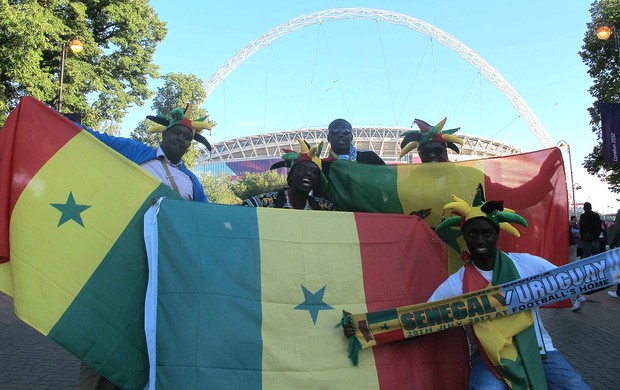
(494, 211)
(413, 139)
(179, 117)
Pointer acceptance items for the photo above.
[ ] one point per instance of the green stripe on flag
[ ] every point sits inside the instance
(104, 325)
(209, 297)
(364, 187)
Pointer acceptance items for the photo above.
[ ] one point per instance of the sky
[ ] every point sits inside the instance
(378, 73)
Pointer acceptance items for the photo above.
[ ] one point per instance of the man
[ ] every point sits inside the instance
(614, 242)
(340, 138)
(165, 162)
(431, 141)
(480, 225)
(589, 230)
(303, 176)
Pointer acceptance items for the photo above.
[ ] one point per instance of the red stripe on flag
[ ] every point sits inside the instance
(534, 185)
(31, 135)
(401, 267)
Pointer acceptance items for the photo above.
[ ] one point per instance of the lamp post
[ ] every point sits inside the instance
(75, 46)
(604, 32)
(562, 144)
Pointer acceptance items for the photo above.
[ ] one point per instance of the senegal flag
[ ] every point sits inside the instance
(71, 240)
(533, 184)
(249, 298)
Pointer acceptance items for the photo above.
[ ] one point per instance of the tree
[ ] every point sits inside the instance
(178, 90)
(219, 189)
(258, 183)
(109, 75)
(603, 59)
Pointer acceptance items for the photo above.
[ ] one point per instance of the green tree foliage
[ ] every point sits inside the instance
(603, 60)
(109, 75)
(178, 91)
(219, 189)
(257, 183)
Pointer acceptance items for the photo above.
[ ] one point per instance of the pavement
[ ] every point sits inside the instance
(589, 340)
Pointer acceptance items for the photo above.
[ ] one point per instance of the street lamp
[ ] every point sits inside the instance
(563, 144)
(75, 46)
(604, 32)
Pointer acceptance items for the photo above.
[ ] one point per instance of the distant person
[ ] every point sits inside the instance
(572, 244)
(303, 176)
(590, 229)
(614, 242)
(574, 228)
(432, 142)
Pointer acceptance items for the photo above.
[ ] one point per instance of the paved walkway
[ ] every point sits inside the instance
(590, 341)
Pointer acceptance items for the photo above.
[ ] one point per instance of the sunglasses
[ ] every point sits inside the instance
(437, 150)
(338, 130)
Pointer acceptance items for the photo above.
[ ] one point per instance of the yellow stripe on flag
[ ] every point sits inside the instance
(43, 252)
(430, 186)
(295, 349)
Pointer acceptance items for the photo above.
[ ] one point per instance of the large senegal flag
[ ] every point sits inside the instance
(533, 184)
(248, 298)
(71, 240)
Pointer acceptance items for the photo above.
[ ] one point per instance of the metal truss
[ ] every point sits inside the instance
(397, 19)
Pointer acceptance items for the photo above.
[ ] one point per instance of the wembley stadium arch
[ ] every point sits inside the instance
(249, 151)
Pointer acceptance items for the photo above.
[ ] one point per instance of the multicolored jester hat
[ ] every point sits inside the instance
(413, 139)
(180, 117)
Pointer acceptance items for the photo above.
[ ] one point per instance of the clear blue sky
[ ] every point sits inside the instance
(378, 73)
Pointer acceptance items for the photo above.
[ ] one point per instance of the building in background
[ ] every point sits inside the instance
(257, 153)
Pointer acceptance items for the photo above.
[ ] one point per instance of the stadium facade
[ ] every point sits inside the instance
(257, 153)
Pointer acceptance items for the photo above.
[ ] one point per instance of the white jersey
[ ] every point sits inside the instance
(527, 265)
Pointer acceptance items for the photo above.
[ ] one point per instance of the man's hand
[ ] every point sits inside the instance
(422, 213)
(347, 325)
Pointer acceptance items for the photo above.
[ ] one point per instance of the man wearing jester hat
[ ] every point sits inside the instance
(516, 350)
(432, 142)
(303, 176)
(165, 162)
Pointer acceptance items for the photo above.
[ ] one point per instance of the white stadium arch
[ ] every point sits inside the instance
(395, 18)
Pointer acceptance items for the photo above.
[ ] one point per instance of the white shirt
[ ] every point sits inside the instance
(527, 265)
(183, 182)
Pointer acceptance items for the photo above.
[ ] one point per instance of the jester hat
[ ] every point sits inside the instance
(180, 117)
(493, 211)
(415, 138)
(306, 153)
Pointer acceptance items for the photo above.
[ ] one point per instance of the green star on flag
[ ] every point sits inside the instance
(70, 210)
(313, 303)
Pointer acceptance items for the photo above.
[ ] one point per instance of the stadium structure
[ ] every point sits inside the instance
(257, 153)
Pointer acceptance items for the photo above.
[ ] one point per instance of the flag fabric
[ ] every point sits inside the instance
(610, 131)
(533, 184)
(71, 240)
(250, 298)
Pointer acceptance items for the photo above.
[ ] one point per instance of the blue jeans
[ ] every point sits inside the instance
(559, 374)
(590, 248)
